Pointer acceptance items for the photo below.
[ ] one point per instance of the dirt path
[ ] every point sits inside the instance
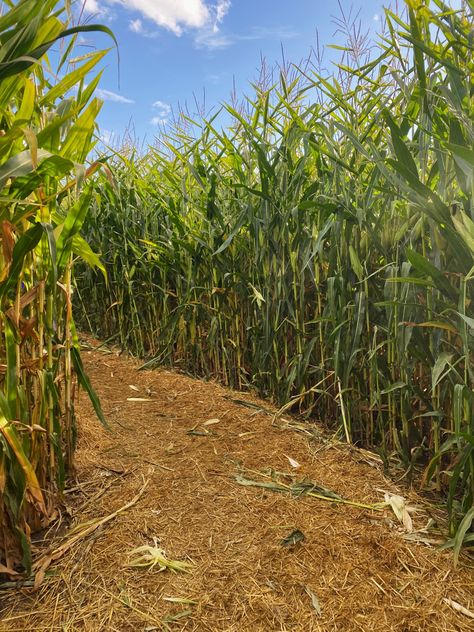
(352, 571)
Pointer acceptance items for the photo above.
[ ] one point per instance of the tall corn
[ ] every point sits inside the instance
(319, 249)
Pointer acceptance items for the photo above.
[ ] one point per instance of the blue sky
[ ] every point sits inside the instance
(173, 52)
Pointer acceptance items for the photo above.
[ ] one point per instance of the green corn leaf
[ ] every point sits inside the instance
(73, 78)
(72, 225)
(49, 232)
(442, 361)
(393, 387)
(461, 532)
(81, 248)
(422, 265)
(464, 157)
(468, 320)
(465, 227)
(86, 385)
(11, 378)
(24, 62)
(356, 264)
(20, 165)
(406, 162)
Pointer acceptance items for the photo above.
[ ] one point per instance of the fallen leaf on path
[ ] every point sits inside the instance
(457, 606)
(293, 462)
(184, 600)
(314, 600)
(151, 556)
(293, 538)
(398, 504)
(210, 422)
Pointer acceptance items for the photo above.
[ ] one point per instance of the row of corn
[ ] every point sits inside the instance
(47, 122)
(316, 242)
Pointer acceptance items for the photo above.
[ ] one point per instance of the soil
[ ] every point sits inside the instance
(261, 560)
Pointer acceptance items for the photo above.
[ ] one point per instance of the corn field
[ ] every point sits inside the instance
(46, 134)
(318, 247)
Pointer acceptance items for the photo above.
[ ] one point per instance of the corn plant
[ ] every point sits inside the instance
(46, 133)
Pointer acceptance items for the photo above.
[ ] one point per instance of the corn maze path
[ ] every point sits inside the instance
(261, 561)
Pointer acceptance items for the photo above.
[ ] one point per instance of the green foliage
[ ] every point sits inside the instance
(45, 136)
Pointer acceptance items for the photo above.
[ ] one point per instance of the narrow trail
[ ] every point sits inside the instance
(354, 569)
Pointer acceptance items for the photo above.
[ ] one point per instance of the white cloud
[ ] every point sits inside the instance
(108, 95)
(212, 40)
(217, 78)
(173, 15)
(222, 8)
(161, 106)
(163, 111)
(93, 7)
(136, 25)
(157, 120)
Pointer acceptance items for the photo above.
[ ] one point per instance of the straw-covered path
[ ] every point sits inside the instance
(178, 472)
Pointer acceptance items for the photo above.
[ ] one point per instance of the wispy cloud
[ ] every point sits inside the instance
(108, 95)
(91, 6)
(136, 25)
(221, 10)
(216, 78)
(162, 113)
(94, 7)
(214, 40)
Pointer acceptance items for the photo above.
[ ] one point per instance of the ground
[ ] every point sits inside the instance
(169, 464)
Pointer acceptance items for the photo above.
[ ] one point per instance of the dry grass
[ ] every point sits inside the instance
(355, 562)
